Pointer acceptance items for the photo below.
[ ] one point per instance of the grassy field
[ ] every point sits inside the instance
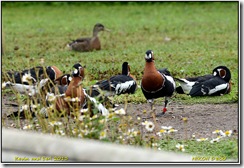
(189, 39)
(201, 37)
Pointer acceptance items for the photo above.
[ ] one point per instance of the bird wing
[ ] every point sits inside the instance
(187, 83)
(213, 86)
(80, 45)
(164, 71)
(80, 40)
(35, 73)
(119, 84)
(185, 86)
(200, 78)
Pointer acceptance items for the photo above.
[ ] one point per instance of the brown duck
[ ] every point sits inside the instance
(88, 43)
(74, 95)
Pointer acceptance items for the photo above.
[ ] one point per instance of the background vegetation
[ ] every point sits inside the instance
(189, 38)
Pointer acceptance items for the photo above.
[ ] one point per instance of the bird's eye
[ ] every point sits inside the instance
(215, 73)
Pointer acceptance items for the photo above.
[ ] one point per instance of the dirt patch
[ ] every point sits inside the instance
(202, 119)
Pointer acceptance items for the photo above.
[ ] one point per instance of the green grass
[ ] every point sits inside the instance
(203, 36)
(226, 149)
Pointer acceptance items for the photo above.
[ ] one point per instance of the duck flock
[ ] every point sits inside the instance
(65, 93)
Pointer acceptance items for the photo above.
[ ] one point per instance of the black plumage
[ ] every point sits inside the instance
(36, 73)
(16, 77)
(214, 87)
(215, 84)
(118, 84)
(187, 83)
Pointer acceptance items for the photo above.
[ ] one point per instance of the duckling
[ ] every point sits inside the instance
(88, 43)
(215, 84)
(156, 83)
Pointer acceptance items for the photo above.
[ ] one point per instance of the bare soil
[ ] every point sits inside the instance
(202, 119)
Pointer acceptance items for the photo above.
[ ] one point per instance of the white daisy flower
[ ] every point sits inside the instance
(57, 123)
(180, 147)
(149, 126)
(166, 128)
(35, 106)
(120, 111)
(103, 135)
(84, 110)
(144, 123)
(154, 144)
(60, 132)
(75, 99)
(80, 135)
(81, 118)
(215, 140)
(136, 133)
(27, 127)
(218, 132)
(161, 132)
(202, 139)
(172, 130)
(169, 129)
(227, 133)
(50, 97)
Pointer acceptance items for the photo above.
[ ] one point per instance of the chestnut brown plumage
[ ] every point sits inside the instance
(74, 95)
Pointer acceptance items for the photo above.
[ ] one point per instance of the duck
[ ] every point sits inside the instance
(215, 84)
(156, 83)
(61, 84)
(74, 96)
(36, 74)
(187, 83)
(124, 83)
(63, 80)
(88, 43)
(29, 90)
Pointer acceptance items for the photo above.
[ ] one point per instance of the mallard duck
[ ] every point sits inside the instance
(88, 43)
